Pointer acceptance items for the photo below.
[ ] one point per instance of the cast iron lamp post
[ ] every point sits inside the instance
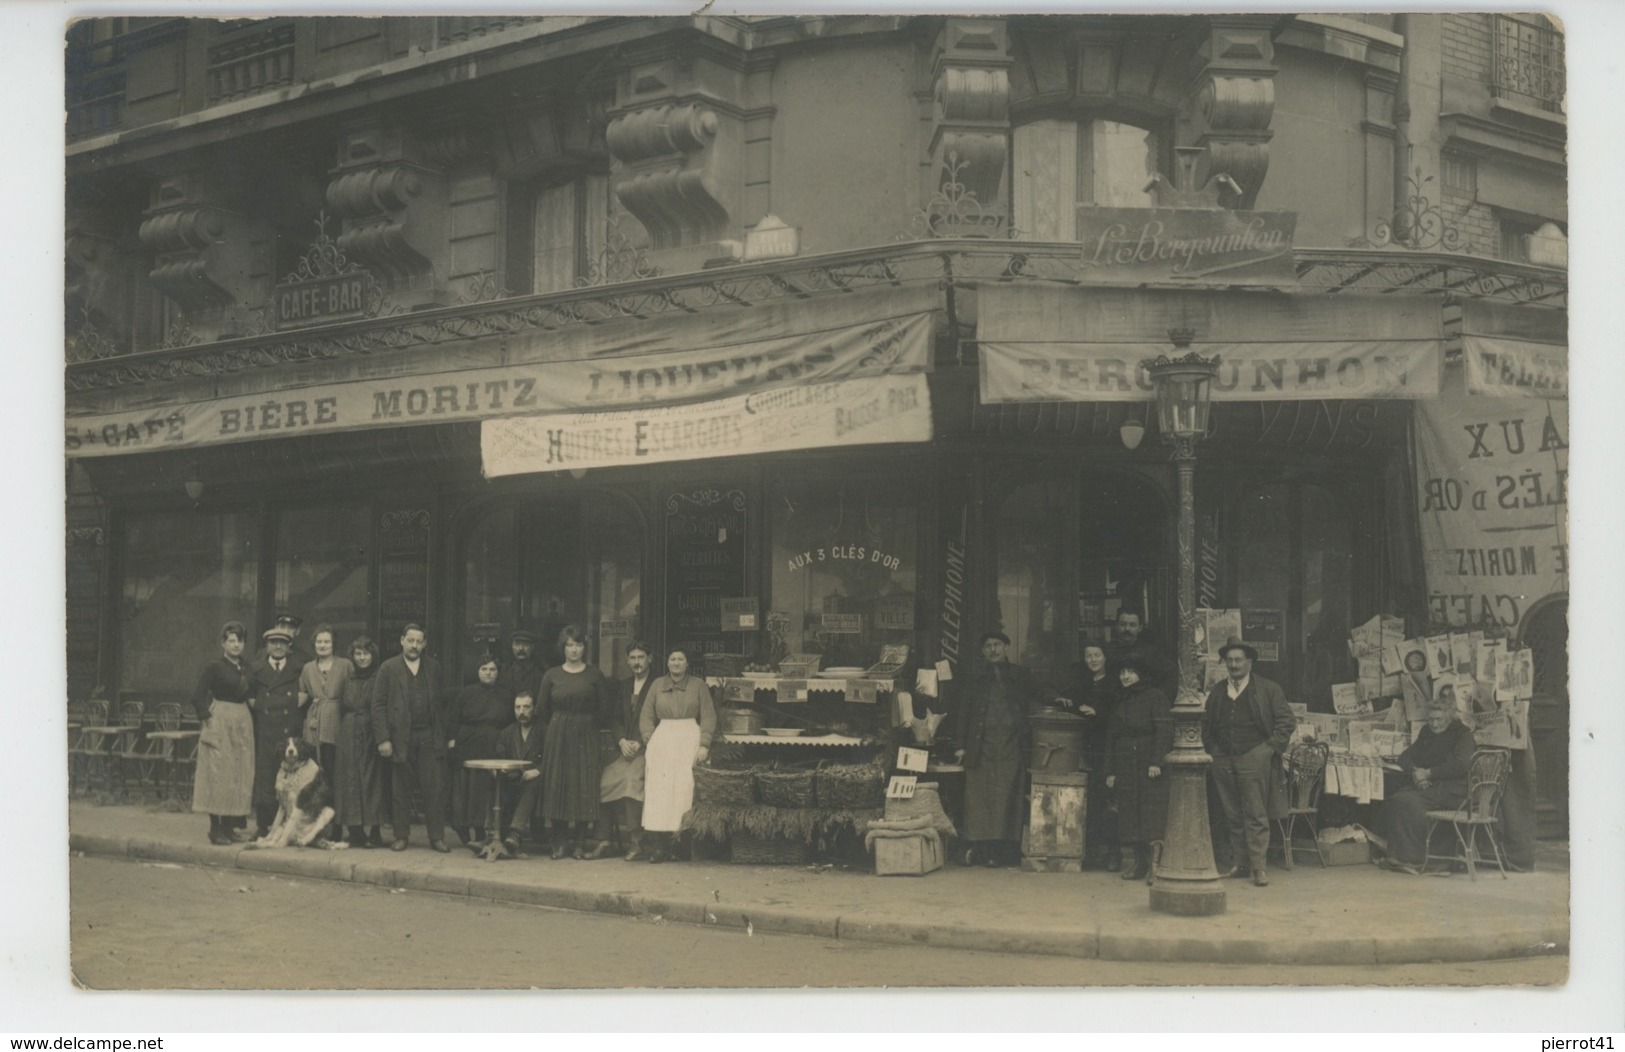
(1184, 880)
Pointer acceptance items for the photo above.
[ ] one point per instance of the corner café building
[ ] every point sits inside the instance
(907, 444)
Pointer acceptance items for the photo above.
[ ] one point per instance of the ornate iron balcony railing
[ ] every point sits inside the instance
(1528, 62)
(964, 262)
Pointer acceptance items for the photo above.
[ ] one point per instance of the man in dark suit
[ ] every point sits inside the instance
(620, 787)
(522, 672)
(1248, 726)
(522, 789)
(410, 733)
(279, 714)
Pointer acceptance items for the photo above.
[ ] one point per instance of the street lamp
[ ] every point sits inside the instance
(1185, 881)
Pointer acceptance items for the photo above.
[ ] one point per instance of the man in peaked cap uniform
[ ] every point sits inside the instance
(279, 714)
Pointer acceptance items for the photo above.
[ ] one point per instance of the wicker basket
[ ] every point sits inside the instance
(766, 851)
(786, 788)
(852, 787)
(724, 787)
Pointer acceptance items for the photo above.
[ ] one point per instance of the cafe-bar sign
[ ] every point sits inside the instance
(1136, 245)
(318, 301)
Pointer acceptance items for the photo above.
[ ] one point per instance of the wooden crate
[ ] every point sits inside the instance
(913, 856)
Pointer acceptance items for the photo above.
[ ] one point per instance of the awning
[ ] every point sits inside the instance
(1513, 351)
(715, 357)
(1053, 344)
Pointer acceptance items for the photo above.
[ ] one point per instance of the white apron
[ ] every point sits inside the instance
(224, 781)
(668, 785)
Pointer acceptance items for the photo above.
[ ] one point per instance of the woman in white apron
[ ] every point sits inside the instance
(224, 786)
(678, 723)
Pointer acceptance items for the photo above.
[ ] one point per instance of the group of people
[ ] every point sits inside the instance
(1127, 691)
(601, 755)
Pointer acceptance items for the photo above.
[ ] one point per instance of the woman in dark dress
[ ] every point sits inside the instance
(1138, 735)
(575, 700)
(476, 719)
(224, 787)
(1097, 688)
(358, 790)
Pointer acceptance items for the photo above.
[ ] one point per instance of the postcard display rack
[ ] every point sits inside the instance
(1376, 717)
(800, 773)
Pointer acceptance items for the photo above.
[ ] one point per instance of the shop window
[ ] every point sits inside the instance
(1123, 559)
(556, 232)
(183, 576)
(1062, 164)
(322, 568)
(1298, 563)
(845, 568)
(544, 564)
(1030, 592)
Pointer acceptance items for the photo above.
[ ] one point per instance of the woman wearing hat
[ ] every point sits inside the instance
(475, 721)
(358, 789)
(224, 786)
(1139, 733)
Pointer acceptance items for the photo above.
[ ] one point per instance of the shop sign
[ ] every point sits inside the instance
(1492, 503)
(882, 409)
(895, 612)
(321, 300)
(1043, 344)
(620, 628)
(1265, 630)
(689, 365)
(1081, 372)
(1515, 351)
(1136, 245)
(739, 614)
(842, 624)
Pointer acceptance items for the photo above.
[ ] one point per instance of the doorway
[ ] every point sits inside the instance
(1546, 634)
(545, 561)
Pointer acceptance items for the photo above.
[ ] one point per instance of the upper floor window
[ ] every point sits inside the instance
(556, 232)
(1062, 164)
(1528, 65)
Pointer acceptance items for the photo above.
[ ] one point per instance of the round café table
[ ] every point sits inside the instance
(493, 847)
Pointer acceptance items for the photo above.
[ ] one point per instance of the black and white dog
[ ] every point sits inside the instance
(304, 801)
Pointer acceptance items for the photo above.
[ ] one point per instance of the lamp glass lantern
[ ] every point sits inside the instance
(1184, 388)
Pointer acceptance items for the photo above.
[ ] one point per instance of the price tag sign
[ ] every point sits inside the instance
(901, 787)
(912, 759)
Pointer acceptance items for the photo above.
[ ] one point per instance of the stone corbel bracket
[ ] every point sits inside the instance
(672, 185)
(676, 142)
(394, 204)
(1234, 96)
(203, 251)
(970, 137)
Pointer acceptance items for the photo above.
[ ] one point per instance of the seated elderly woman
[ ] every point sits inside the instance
(1436, 764)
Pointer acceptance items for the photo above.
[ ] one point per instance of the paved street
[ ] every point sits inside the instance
(164, 925)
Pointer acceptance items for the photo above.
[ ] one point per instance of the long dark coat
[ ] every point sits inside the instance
(392, 707)
(358, 788)
(277, 717)
(1139, 735)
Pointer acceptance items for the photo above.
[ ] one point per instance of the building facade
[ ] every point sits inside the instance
(788, 333)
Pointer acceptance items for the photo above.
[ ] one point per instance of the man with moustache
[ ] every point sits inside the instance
(521, 789)
(521, 672)
(1247, 727)
(410, 733)
(620, 786)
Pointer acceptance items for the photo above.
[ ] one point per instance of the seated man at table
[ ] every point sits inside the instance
(1436, 765)
(521, 789)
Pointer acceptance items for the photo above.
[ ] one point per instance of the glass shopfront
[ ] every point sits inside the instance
(546, 561)
(845, 567)
(184, 575)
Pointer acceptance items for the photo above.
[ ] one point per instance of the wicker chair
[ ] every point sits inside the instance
(129, 749)
(92, 743)
(1305, 778)
(1486, 782)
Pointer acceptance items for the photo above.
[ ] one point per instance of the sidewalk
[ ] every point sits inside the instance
(1340, 915)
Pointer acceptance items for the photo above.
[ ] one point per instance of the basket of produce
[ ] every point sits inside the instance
(851, 786)
(786, 787)
(724, 787)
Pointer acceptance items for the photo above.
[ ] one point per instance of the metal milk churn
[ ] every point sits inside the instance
(1058, 801)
